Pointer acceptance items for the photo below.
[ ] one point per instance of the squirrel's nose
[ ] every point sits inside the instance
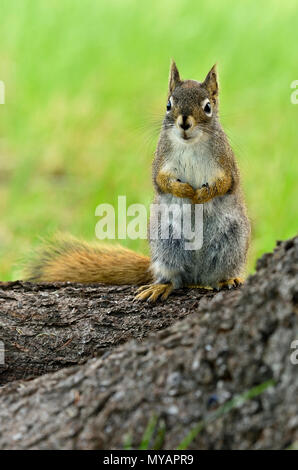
(184, 122)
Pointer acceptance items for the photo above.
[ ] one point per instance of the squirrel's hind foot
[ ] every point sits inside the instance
(153, 292)
(229, 283)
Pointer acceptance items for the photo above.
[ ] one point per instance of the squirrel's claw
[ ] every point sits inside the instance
(229, 283)
(142, 288)
(153, 292)
(202, 195)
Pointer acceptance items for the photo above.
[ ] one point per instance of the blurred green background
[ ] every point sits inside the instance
(86, 85)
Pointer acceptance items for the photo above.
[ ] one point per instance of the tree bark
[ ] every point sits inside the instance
(228, 343)
(49, 326)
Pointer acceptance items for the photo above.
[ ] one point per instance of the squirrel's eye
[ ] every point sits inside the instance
(207, 107)
(169, 105)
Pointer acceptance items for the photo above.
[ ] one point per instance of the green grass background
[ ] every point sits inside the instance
(86, 83)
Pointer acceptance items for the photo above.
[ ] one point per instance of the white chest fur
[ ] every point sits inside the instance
(192, 163)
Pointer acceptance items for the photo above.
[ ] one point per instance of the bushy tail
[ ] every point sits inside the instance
(68, 259)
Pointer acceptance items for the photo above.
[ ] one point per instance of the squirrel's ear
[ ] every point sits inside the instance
(211, 83)
(174, 78)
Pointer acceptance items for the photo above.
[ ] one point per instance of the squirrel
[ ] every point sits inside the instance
(194, 164)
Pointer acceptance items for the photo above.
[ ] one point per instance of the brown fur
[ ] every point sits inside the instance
(68, 259)
(211, 84)
(228, 179)
(174, 78)
(167, 184)
(220, 187)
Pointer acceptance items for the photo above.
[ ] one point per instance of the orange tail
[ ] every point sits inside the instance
(68, 259)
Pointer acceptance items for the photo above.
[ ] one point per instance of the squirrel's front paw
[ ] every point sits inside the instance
(202, 195)
(182, 190)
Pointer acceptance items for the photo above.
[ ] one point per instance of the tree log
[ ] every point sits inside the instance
(231, 342)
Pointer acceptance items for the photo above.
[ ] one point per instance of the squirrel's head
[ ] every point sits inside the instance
(192, 106)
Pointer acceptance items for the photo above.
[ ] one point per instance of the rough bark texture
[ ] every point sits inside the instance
(226, 344)
(49, 326)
